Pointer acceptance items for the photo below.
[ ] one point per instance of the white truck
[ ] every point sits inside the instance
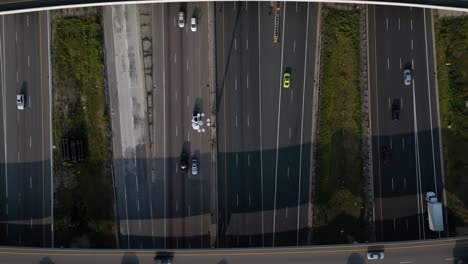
(434, 210)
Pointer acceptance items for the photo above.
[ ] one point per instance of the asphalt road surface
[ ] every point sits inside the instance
(25, 165)
(427, 252)
(402, 37)
(181, 73)
(264, 130)
(158, 204)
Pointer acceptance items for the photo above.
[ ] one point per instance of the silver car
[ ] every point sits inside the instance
(20, 101)
(194, 167)
(193, 24)
(181, 19)
(407, 76)
(375, 255)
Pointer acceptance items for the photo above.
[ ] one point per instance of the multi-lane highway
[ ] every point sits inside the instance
(454, 251)
(264, 130)
(402, 37)
(182, 87)
(158, 204)
(25, 163)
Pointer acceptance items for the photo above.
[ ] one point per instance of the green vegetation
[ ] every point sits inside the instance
(83, 190)
(452, 59)
(339, 190)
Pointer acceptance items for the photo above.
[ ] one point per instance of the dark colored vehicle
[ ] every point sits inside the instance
(183, 161)
(387, 155)
(396, 109)
(163, 258)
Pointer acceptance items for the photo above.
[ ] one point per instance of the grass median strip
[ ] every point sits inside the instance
(452, 61)
(339, 192)
(83, 188)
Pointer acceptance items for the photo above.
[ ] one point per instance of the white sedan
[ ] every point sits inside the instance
(375, 255)
(193, 24)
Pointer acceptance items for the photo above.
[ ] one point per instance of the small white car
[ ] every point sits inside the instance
(194, 167)
(375, 255)
(193, 24)
(181, 19)
(20, 101)
(407, 76)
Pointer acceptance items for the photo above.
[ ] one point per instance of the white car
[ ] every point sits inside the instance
(375, 255)
(407, 76)
(20, 101)
(181, 19)
(193, 24)
(194, 167)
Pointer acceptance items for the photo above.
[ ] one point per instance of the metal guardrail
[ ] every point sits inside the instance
(277, 23)
(21, 6)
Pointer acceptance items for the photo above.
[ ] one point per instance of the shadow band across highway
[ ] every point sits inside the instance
(25, 204)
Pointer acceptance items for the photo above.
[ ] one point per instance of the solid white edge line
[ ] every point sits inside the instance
(164, 127)
(441, 157)
(260, 122)
(418, 168)
(42, 129)
(302, 126)
(378, 128)
(2, 64)
(278, 126)
(430, 108)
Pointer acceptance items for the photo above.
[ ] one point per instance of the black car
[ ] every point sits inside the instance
(387, 155)
(163, 258)
(396, 109)
(183, 161)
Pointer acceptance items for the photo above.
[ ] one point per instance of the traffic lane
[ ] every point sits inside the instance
(270, 68)
(395, 84)
(161, 98)
(249, 156)
(373, 110)
(24, 126)
(197, 70)
(305, 179)
(176, 109)
(226, 120)
(433, 103)
(295, 33)
(248, 188)
(161, 94)
(386, 71)
(44, 152)
(32, 88)
(233, 108)
(234, 93)
(205, 166)
(425, 92)
(202, 152)
(190, 144)
(222, 148)
(424, 89)
(3, 140)
(12, 116)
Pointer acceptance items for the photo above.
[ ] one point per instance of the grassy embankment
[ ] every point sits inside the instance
(452, 59)
(83, 190)
(340, 181)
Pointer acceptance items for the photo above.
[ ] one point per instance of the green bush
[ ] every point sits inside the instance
(340, 182)
(84, 206)
(452, 62)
